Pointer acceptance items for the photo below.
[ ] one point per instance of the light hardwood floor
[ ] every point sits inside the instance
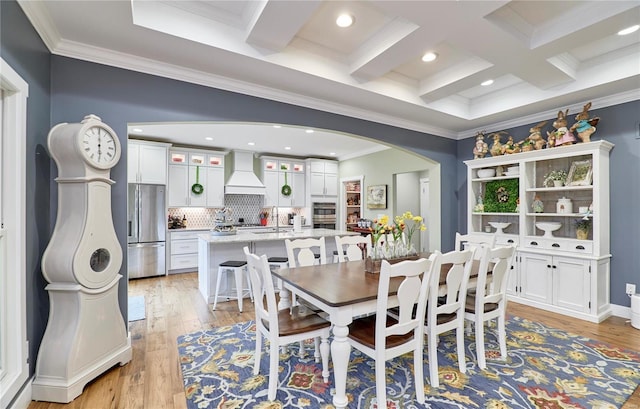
(174, 307)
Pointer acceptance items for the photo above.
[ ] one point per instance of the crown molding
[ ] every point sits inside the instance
(603, 102)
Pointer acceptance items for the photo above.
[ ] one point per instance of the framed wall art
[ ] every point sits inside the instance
(580, 173)
(377, 197)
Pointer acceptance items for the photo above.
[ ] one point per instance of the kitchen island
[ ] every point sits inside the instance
(213, 250)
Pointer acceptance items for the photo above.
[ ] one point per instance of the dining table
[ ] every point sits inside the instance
(343, 291)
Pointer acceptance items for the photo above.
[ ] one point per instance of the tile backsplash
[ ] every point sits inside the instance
(247, 207)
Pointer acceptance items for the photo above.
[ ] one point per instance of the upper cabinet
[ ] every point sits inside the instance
(323, 180)
(284, 180)
(561, 228)
(147, 162)
(196, 178)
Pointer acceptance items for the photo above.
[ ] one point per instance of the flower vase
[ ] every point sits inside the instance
(582, 234)
(558, 183)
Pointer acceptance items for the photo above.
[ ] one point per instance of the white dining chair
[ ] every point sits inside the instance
(489, 301)
(352, 248)
(382, 337)
(473, 241)
(301, 252)
(447, 313)
(281, 327)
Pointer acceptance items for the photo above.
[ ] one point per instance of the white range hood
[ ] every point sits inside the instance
(242, 180)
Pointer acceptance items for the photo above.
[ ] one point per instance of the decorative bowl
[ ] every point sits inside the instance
(548, 227)
(486, 173)
(499, 226)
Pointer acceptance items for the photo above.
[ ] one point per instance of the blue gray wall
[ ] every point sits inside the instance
(620, 125)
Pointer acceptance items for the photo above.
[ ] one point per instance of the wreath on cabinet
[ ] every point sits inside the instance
(501, 196)
(286, 189)
(197, 188)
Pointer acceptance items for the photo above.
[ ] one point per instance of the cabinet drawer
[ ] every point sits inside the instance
(186, 235)
(184, 261)
(184, 246)
(572, 246)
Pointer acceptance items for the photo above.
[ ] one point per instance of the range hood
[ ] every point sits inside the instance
(242, 180)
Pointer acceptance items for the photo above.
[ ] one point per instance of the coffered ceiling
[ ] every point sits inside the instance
(542, 55)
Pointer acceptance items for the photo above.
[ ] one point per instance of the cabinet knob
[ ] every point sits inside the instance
(580, 247)
(510, 241)
(554, 266)
(534, 243)
(555, 245)
(548, 265)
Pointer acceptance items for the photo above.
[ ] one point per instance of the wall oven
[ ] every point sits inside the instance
(324, 215)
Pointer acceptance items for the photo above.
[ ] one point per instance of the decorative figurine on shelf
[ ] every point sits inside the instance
(561, 136)
(517, 205)
(537, 205)
(481, 148)
(510, 147)
(584, 126)
(479, 207)
(536, 138)
(496, 148)
(525, 145)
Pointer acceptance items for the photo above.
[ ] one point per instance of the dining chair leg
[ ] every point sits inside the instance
(418, 372)
(302, 351)
(462, 364)
(502, 337)
(239, 288)
(316, 351)
(273, 371)
(381, 382)
(433, 362)
(258, 353)
(482, 362)
(324, 353)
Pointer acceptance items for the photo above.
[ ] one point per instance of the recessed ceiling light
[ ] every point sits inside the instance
(277, 126)
(487, 83)
(287, 148)
(332, 153)
(137, 130)
(251, 143)
(309, 131)
(430, 56)
(344, 20)
(629, 30)
(209, 138)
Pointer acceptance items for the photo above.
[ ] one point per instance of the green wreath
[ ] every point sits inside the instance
(197, 188)
(286, 189)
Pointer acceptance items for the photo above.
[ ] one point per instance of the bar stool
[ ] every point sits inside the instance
(239, 268)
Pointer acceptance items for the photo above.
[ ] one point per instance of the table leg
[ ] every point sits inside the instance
(285, 298)
(340, 351)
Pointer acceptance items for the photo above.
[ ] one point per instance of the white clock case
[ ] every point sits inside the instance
(86, 334)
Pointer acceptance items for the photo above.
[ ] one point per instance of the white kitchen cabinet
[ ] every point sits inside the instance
(556, 271)
(183, 250)
(323, 180)
(188, 165)
(147, 162)
(273, 178)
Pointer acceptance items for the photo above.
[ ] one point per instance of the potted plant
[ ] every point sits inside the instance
(582, 228)
(555, 177)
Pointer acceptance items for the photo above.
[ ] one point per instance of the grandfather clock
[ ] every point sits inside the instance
(86, 334)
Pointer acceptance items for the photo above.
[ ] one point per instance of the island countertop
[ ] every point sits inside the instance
(244, 237)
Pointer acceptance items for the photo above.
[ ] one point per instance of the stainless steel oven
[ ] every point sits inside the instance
(324, 215)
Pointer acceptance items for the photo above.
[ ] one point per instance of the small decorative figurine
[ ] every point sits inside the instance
(537, 205)
(481, 148)
(535, 137)
(510, 147)
(479, 207)
(517, 205)
(561, 136)
(584, 126)
(496, 148)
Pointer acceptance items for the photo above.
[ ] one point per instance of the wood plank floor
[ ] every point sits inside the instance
(174, 307)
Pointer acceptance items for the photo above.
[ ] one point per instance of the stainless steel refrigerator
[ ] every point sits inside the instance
(147, 228)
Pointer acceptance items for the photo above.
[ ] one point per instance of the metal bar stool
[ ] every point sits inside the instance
(276, 263)
(239, 268)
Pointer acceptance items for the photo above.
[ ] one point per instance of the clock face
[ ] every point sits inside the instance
(99, 147)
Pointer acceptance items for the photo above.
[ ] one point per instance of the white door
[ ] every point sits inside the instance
(331, 184)
(177, 186)
(270, 181)
(571, 284)
(153, 164)
(535, 276)
(197, 174)
(133, 160)
(215, 187)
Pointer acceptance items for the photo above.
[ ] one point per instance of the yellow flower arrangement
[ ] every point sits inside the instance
(418, 224)
(406, 224)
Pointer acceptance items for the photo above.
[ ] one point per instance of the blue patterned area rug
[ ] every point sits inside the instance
(545, 368)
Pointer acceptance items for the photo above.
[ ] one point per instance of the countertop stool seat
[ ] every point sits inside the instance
(276, 263)
(239, 268)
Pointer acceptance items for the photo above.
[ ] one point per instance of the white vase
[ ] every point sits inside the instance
(558, 183)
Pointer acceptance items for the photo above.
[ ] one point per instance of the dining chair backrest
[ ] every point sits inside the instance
(473, 241)
(351, 248)
(414, 289)
(300, 251)
(456, 268)
(501, 259)
(264, 294)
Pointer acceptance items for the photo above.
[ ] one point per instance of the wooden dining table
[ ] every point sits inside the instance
(343, 291)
